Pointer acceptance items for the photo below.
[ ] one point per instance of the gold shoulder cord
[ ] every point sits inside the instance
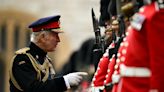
(36, 66)
(52, 70)
(21, 51)
(47, 70)
(12, 76)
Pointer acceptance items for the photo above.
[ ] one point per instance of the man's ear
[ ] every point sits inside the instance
(42, 38)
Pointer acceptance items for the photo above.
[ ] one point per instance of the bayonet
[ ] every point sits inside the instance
(98, 39)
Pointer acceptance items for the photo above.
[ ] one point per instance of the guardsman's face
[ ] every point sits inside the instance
(108, 30)
(51, 41)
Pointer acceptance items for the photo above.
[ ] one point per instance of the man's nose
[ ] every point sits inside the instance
(58, 39)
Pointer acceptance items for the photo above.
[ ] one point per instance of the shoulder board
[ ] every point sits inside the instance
(22, 51)
(137, 21)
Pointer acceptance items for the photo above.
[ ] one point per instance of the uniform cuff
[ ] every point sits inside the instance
(67, 83)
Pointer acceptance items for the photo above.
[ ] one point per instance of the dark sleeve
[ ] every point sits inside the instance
(26, 77)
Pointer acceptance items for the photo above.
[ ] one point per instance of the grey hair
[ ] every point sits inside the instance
(35, 36)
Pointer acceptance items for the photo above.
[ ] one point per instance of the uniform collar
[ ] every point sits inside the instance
(36, 51)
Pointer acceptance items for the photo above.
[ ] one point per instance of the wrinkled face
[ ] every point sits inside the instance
(50, 41)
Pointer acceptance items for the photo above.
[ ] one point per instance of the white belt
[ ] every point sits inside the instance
(97, 89)
(115, 78)
(127, 71)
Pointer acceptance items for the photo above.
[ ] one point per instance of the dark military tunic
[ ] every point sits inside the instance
(26, 75)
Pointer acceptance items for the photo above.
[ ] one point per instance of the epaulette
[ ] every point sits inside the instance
(22, 51)
(137, 21)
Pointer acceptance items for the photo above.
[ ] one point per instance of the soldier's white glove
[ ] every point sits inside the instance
(73, 79)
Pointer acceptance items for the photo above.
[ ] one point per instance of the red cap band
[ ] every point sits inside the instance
(51, 25)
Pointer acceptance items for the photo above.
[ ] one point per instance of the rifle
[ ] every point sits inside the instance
(99, 41)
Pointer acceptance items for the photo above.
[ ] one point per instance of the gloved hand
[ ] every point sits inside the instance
(73, 79)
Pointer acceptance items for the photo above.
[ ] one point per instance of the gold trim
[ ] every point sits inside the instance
(39, 68)
(36, 66)
(47, 71)
(22, 51)
(13, 80)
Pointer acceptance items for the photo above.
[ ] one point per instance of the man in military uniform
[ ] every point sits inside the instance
(31, 69)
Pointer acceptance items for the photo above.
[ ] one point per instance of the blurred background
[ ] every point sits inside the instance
(16, 15)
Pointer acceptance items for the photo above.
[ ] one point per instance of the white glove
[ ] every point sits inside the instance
(73, 79)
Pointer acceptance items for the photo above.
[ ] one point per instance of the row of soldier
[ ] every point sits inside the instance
(134, 58)
(131, 63)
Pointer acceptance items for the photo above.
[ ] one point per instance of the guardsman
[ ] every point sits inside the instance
(142, 68)
(108, 82)
(31, 69)
(120, 58)
(113, 75)
(99, 78)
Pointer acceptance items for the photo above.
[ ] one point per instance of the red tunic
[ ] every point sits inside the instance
(119, 61)
(99, 76)
(143, 65)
